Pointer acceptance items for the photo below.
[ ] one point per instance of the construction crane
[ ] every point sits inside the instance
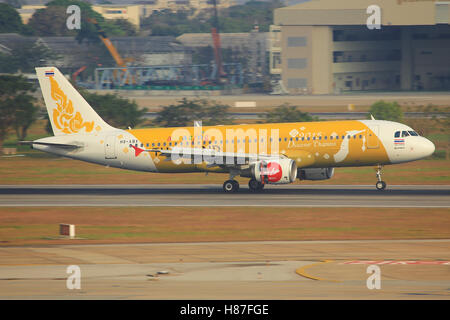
(220, 75)
(76, 73)
(108, 44)
(112, 50)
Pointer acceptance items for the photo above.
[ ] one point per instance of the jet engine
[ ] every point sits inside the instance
(315, 173)
(281, 171)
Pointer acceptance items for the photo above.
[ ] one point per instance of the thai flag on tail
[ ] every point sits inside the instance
(49, 73)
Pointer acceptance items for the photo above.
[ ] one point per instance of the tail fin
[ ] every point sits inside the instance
(69, 113)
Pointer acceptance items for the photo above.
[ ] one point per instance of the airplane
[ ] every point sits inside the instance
(273, 153)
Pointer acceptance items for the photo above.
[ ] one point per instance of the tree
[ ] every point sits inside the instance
(116, 111)
(187, 111)
(26, 115)
(287, 113)
(25, 58)
(10, 20)
(51, 22)
(382, 110)
(239, 18)
(16, 105)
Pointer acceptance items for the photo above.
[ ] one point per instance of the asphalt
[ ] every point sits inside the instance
(412, 196)
(409, 269)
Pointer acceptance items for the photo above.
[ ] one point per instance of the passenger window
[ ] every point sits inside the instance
(405, 134)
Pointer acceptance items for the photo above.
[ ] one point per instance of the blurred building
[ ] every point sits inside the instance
(27, 11)
(151, 6)
(133, 10)
(325, 46)
(131, 13)
(249, 47)
(71, 55)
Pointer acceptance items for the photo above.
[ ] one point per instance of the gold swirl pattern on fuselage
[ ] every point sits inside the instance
(63, 115)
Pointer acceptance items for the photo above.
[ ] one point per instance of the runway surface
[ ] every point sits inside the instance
(401, 196)
(409, 269)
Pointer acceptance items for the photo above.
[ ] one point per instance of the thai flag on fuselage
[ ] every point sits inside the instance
(398, 142)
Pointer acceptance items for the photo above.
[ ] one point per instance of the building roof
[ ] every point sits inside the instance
(69, 45)
(227, 40)
(354, 12)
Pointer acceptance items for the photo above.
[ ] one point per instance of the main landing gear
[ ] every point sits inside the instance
(230, 186)
(255, 186)
(380, 185)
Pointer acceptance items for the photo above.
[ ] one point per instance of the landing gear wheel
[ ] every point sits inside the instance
(380, 185)
(255, 186)
(230, 186)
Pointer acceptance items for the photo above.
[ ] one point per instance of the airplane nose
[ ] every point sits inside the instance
(428, 147)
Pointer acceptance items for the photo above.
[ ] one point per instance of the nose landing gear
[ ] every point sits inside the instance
(380, 185)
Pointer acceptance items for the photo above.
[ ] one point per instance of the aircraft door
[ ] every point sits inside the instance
(373, 141)
(110, 147)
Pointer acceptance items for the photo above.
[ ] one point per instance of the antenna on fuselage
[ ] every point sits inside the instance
(371, 117)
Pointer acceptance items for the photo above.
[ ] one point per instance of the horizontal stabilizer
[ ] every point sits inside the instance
(51, 144)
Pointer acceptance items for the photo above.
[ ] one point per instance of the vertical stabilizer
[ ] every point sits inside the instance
(68, 111)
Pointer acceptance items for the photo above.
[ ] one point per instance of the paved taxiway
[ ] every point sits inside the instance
(228, 270)
(412, 196)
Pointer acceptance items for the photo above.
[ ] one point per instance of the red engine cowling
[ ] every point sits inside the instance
(280, 171)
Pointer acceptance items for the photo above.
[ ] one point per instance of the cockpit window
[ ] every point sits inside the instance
(413, 133)
(405, 134)
(397, 134)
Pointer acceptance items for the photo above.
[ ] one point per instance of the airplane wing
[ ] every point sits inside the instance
(213, 157)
